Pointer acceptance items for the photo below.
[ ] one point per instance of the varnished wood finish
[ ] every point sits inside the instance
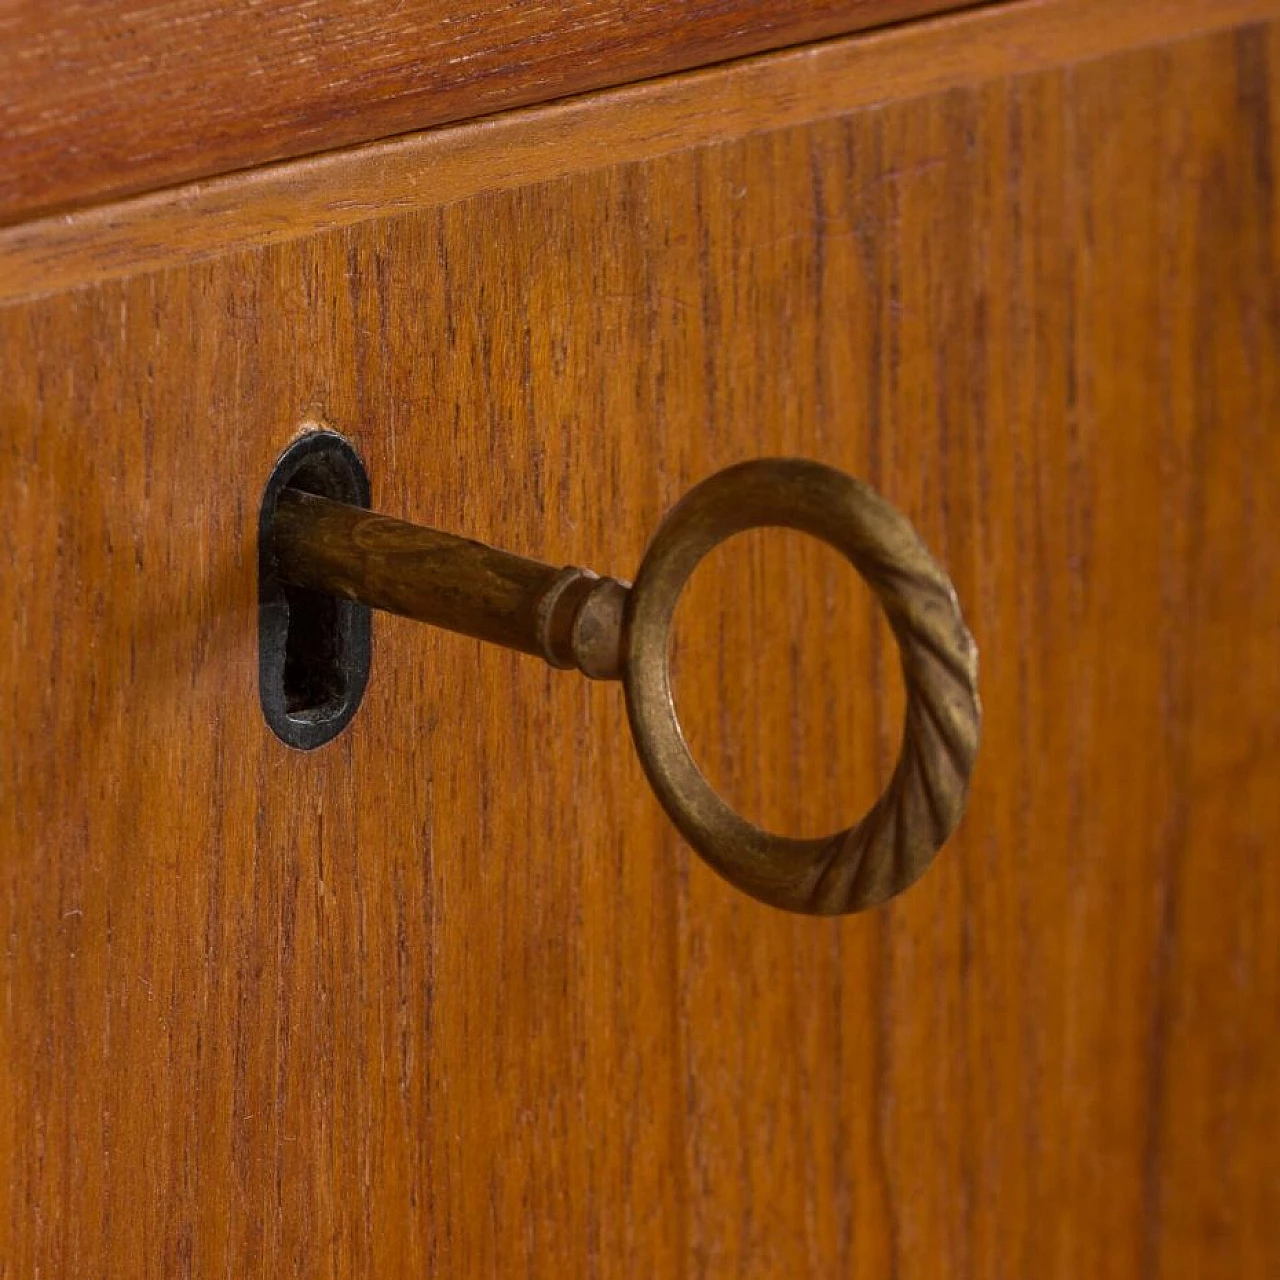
(448, 997)
(99, 98)
(641, 122)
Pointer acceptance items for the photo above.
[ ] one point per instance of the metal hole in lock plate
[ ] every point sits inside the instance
(314, 648)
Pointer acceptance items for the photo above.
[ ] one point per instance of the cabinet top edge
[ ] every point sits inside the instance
(293, 199)
(103, 101)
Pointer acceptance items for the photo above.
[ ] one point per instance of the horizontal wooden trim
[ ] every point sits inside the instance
(287, 201)
(103, 100)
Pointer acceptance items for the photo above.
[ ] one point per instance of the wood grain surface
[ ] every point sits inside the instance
(448, 997)
(103, 97)
(278, 203)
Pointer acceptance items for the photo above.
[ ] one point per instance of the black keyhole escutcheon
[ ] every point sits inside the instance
(314, 649)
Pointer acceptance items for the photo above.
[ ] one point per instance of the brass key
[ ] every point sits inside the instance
(612, 631)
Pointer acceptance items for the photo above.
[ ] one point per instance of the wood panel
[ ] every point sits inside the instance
(99, 98)
(279, 203)
(448, 997)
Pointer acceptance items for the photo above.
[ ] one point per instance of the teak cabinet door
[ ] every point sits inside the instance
(448, 996)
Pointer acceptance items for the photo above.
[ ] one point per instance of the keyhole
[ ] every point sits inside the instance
(313, 649)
